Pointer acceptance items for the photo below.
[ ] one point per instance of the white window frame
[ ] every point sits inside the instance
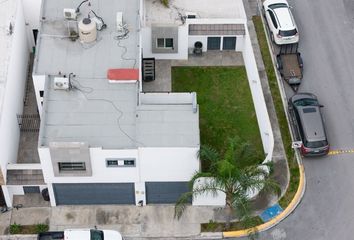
(164, 43)
(121, 162)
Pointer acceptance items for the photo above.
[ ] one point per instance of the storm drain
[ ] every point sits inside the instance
(28, 122)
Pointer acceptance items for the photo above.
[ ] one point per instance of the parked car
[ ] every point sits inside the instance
(81, 234)
(306, 116)
(281, 22)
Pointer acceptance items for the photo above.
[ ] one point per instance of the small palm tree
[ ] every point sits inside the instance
(231, 175)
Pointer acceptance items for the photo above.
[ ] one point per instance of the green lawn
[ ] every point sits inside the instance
(225, 103)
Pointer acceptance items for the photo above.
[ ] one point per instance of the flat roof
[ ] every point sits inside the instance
(7, 14)
(57, 53)
(97, 111)
(155, 12)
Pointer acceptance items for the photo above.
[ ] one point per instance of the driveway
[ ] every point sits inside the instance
(327, 46)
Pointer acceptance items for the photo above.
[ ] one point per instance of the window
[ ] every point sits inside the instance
(71, 166)
(41, 93)
(271, 14)
(165, 43)
(96, 234)
(115, 162)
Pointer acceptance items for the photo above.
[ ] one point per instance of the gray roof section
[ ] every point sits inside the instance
(57, 53)
(168, 125)
(100, 113)
(95, 111)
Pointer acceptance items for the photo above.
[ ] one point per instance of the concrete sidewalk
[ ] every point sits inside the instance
(132, 221)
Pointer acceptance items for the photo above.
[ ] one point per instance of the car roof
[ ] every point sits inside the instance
(311, 121)
(284, 17)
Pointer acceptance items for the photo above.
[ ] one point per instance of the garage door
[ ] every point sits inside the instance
(165, 192)
(214, 43)
(94, 193)
(229, 43)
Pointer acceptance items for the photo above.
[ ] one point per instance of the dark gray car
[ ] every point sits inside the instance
(305, 113)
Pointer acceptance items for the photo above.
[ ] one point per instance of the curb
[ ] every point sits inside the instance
(291, 207)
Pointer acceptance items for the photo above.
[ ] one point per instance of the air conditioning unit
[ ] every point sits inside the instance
(70, 14)
(61, 83)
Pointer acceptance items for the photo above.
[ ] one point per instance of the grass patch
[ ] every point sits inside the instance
(28, 229)
(283, 123)
(225, 102)
(212, 226)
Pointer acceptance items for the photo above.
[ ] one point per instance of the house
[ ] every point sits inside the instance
(172, 33)
(102, 140)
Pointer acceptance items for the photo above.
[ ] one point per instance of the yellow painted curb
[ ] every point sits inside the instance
(280, 217)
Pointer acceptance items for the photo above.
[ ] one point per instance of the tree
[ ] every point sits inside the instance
(230, 174)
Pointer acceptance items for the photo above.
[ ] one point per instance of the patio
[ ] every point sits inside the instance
(162, 83)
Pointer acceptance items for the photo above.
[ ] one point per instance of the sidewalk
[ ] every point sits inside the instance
(132, 221)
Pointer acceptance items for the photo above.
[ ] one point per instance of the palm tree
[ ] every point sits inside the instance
(230, 174)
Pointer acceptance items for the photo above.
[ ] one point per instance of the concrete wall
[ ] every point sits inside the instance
(258, 98)
(31, 10)
(14, 93)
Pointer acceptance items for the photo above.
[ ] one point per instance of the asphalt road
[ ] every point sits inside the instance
(327, 46)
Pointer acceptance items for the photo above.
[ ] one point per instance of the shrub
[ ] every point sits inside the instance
(41, 228)
(15, 228)
(165, 3)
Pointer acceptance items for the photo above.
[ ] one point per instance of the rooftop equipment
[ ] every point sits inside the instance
(87, 30)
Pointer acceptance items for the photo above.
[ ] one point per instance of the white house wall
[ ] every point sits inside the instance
(100, 172)
(14, 93)
(31, 10)
(168, 164)
(182, 45)
(152, 164)
(38, 82)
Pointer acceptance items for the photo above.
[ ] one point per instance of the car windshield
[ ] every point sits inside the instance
(306, 102)
(96, 234)
(316, 144)
(277, 5)
(288, 33)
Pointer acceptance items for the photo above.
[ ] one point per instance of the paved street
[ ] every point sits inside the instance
(327, 46)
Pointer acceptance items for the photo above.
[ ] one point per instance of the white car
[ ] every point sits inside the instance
(281, 22)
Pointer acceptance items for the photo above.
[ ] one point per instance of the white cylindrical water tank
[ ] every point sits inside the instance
(87, 30)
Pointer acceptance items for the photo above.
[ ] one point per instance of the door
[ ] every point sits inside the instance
(214, 43)
(229, 43)
(165, 192)
(94, 193)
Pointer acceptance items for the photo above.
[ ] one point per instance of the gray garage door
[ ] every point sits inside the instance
(229, 43)
(214, 43)
(165, 192)
(94, 193)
